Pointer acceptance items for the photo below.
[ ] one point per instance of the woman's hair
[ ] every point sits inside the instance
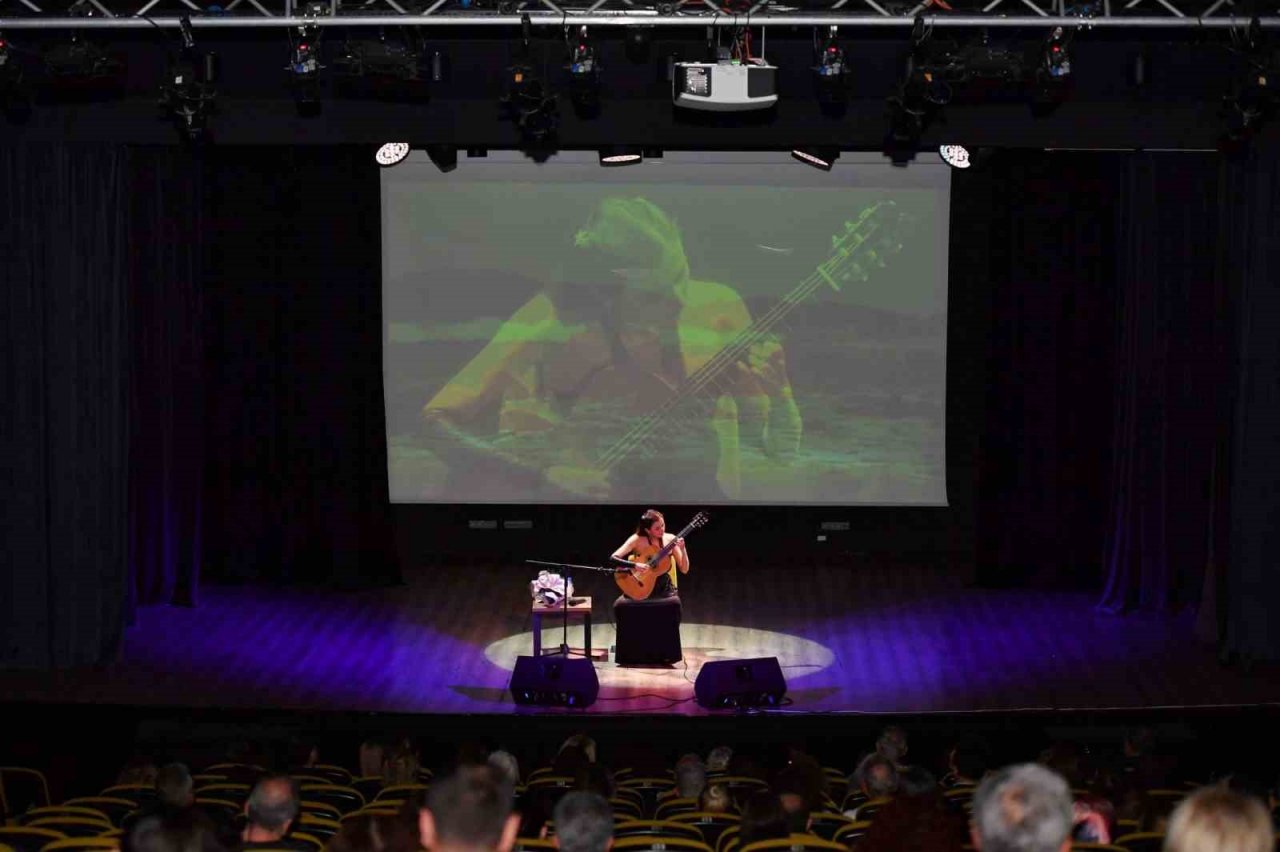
(763, 818)
(647, 520)
(400, 766)
(1215, 819)
(375, 833)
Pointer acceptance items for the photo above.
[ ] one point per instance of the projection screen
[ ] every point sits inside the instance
(697, 329)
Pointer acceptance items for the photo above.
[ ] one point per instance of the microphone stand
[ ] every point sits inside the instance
(564, 609)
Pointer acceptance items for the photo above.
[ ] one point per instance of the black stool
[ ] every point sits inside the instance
(648, 631)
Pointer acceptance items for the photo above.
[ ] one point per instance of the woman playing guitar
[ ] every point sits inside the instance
(650, 537)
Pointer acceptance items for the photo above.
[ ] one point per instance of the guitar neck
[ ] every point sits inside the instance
(703, 378)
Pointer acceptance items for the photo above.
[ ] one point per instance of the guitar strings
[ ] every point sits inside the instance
(732, 352)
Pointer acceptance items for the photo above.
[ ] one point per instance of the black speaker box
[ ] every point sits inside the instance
(741, 683)
(555, 681)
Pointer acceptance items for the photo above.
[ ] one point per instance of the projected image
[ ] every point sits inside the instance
(638, 343)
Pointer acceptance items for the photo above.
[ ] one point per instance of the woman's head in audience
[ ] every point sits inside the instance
(400, 765)
(368, 833)
(916, 781)
(763, 818)
(1216, 819)
(718, 759)
(571, 760)
(594, 778)
(584, 742)
(372, 752)
(174, 831)
(140, 769)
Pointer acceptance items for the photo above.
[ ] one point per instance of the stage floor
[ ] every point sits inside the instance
(850, 639)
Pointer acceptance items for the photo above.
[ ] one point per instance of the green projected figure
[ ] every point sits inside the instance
(621, 384)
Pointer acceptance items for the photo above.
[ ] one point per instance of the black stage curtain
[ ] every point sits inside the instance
(166, 377)
(64, 444)
(1250, 585)
(1106, 365)
(296, 485)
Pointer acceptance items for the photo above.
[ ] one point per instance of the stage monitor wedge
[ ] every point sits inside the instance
(755, 682)
(554, 681)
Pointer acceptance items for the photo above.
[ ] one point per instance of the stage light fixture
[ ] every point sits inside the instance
(831, 72)
(386, 58)
(1056, 59)
(189, 93)
(528, 101)
(621, 155)
(304, 61)
(819, 158)
(1253, 100)
(956, 156)
(445, 157)
(391, 153)
(584, 74)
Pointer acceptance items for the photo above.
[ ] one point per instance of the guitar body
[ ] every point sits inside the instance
(639, 582)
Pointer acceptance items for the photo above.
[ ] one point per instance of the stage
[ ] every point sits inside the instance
(851, 638)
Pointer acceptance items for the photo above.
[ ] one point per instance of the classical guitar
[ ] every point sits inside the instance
(638, 579)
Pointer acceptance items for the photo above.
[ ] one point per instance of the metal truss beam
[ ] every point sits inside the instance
(867, 15)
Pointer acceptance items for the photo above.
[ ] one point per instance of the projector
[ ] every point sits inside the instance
(726, 86)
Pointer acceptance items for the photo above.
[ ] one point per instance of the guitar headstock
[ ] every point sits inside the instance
(699, 520)
(865, 244)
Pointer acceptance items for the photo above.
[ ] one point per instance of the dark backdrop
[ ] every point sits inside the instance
(211, 326)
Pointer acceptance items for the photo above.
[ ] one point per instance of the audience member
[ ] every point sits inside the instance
(595, 778)
(469, 811)
(762, 818)
(1216, 819)
(876, 776)
(584, 823)
(691, 776)
(715, 799)
(372, 752)
(370, 833)
(506, 765)
(182, 830)
(718, 759)
(400, 765)
(916, 819)
(1022, 808)
(272, 807)
(967, 763)
(175, 791)
(893, 745)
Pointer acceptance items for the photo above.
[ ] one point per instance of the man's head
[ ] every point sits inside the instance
(691, 776)
(174, 787)
(584, 823)
(272, 807)
(1023, 808)
(469, 810)
(893, 744)
(877, 776)
(1216, 819)
(174, 831)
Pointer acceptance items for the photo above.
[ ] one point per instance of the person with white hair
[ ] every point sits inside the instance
(1022, 808)
(1217, 819)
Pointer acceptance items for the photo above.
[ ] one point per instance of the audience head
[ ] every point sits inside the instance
(370, 833)
(584, 823)
(718, 759)
(506, 765)
(583, 742)
(1022, 808)
(1216, 819)
(272, 807)
(763, 818)
(594, 778)
(893, 744)
(877, 776)
(916, 781)
(691, 776)
(716, 799)
(469, 810)
(139, 770)
(175, 831)
(400, 765)
(969, 759)
(371, 754)
(174, 787)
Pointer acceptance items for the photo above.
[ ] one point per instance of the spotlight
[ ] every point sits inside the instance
(304, 61)
(527, 100)
(188, 93)
(584, 75)
(831, 73)
(956, 156)
(445, 157)
(621, 155)
(819, 158)
(391, 153)
(1056, 59)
